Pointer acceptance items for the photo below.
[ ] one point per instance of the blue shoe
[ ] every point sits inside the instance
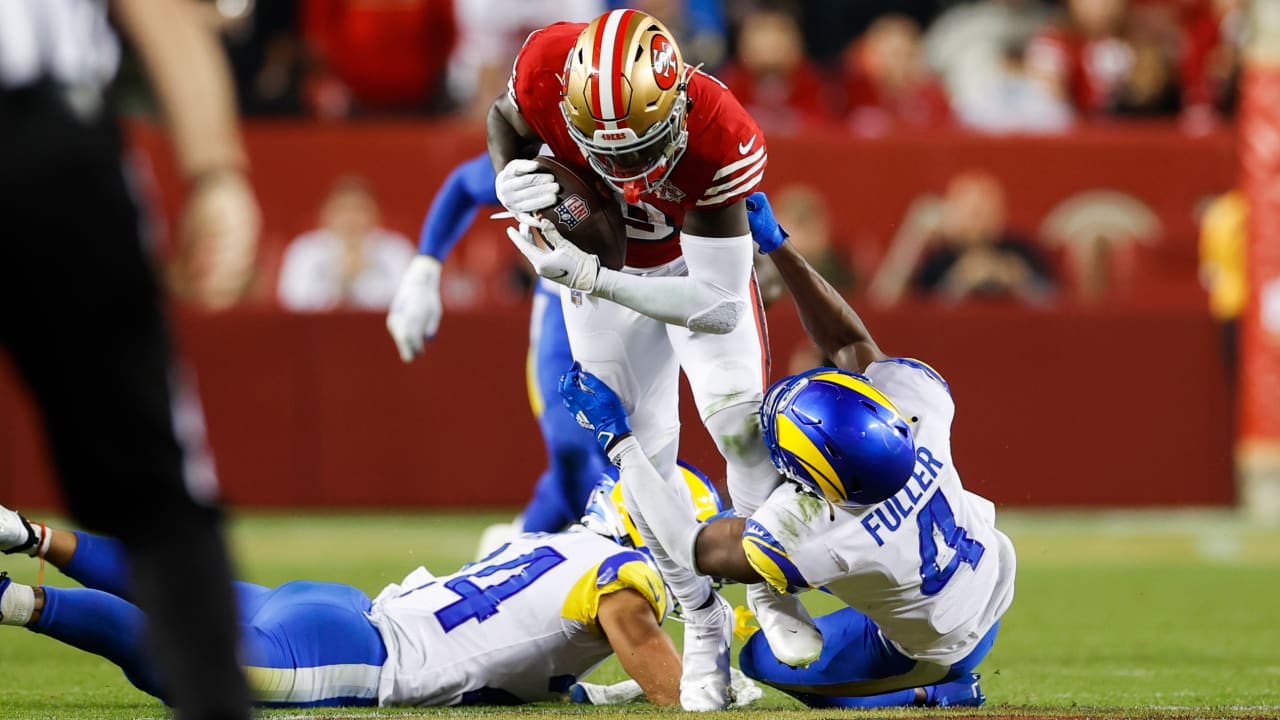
(578, 695)
(957, 693)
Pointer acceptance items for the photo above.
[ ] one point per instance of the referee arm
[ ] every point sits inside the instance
(220, 221)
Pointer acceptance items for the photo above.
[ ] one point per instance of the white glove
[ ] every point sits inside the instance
(523, 187)
(416, 308)
(563, 263)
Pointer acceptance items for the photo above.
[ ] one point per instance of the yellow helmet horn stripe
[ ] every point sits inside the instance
(861, 387)
(792, 439)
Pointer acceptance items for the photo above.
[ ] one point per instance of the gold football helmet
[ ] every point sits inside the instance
(626, 101)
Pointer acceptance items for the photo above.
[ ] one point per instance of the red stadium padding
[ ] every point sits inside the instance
(1123, 405)
(1075, 408)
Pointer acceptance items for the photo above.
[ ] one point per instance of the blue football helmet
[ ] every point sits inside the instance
(835, 433)
(607, 515)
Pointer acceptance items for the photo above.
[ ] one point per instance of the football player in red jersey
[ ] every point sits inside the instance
(682, 155)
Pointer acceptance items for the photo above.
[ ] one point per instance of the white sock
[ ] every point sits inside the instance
(44, 535)
(16, 605)
(615, 694)
(663, 515)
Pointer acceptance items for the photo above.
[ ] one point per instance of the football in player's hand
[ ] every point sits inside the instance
(586, 213)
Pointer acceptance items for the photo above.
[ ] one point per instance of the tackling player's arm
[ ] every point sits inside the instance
(645, 651)
(831, 323)
(718, 551)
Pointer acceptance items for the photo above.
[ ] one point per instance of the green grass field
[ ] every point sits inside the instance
(1116, 615)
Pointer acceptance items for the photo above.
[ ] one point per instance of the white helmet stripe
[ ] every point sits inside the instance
(608, 103)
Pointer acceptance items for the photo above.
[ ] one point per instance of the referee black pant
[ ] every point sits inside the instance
(80, 314)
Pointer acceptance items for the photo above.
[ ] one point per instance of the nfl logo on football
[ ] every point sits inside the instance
(572, 211)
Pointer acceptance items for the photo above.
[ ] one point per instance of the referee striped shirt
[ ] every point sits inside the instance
(69, 42)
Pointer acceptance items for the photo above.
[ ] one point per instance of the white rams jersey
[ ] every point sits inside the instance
(517, 626)
(928, 565)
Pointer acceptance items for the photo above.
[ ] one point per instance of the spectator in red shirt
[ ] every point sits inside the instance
(781, 88)
(1086, 59)
(379, 54)
(890, 84)
(1213, 37)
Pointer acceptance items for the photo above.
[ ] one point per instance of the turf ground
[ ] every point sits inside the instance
(1116, 615)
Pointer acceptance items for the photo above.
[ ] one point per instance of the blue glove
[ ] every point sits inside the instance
(594, 405)
(765, 229)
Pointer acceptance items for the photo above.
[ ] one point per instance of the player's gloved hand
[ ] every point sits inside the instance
(594, 405)
(416, 309)
(524, 188)
(561, 261)
(765, 229)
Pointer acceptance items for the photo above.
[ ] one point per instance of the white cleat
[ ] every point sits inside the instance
(745, 691)
(497, 535)
(16, 534)
(704, 684)
(793, 637)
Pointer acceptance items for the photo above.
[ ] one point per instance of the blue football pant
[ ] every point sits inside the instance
(303, 644)
(857, 664)
(574, 460)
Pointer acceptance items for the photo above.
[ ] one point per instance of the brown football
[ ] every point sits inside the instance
(586, 213)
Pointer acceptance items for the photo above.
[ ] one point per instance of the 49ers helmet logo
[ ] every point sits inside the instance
(663, 58)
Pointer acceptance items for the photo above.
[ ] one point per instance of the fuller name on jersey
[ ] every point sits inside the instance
(723, 163)
(928, 565)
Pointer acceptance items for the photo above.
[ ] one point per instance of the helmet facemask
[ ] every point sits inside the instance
(635, 165)
(776, 399)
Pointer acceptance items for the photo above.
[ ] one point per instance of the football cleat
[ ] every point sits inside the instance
(833, 432)
(16, 534)
(963, 692)
(497, 535)
(787, 626)
(705, 680)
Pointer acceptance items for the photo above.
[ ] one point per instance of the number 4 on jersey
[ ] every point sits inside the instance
(937, 514)
(481, 603)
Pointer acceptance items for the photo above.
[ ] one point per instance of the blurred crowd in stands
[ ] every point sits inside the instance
(863, 68)
(867, 66)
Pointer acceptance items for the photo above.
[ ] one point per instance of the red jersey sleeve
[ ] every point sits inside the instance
(726, 147)
(534, 87)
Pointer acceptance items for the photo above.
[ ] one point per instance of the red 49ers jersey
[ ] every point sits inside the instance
(723, 163)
